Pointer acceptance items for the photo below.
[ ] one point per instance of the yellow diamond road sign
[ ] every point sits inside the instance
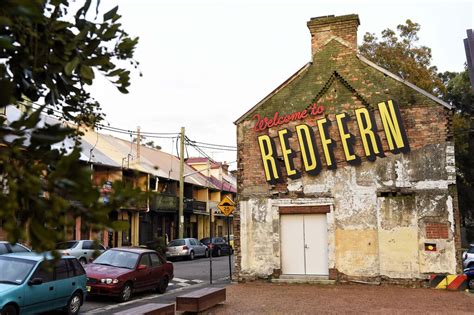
(226, 206)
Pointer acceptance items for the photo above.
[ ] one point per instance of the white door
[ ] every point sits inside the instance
(292, 252)
(304, 244)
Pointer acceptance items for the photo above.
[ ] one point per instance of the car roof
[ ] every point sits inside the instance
(137, 250)
(34, 256)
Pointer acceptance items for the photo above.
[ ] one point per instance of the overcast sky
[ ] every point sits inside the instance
(205, 63)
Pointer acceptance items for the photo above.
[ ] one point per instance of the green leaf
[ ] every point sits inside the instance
(109, 15)
(71, 66)
(86, 72)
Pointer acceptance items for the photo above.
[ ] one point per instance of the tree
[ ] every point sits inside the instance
(402, 56)
(48, 57)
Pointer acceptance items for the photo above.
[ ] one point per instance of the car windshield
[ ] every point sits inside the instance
(117, 258)
(471, 250)
(14, 270)
(176, 243)
(206, 240)
(66, 245)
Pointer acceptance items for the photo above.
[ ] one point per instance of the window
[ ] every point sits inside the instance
(3, 249)
(155, 260)
(66, 245)
(145, 260)
(74, 268)
(60, 270)
(44, 271)
(88, 245)
(176, 243)
(17, 248)
(193, 241)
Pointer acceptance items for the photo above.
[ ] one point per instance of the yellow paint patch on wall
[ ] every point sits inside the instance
(356, 252)
(399, 252)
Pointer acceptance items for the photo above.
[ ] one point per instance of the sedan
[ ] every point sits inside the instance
(119, 272)
(6, 248)
(218, 246)
(83, 250)
(186, 247)
(32, 283)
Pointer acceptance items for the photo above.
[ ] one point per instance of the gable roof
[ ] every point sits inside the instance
(301, 72)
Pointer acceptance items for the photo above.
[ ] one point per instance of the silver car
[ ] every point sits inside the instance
(83, 250)
(468, 257)
(186, 247)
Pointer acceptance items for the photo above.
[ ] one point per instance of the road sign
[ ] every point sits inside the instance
(226, 206)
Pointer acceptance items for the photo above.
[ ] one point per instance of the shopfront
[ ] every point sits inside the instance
(346, 171)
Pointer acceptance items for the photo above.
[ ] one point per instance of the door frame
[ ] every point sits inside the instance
(307, 206)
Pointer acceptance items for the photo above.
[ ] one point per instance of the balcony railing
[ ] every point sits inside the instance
(192, 205)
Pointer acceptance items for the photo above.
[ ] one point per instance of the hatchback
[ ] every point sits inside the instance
(468, 257)
(83, 250)
(186, 247)
(119, 272)
(218, 246)
(30, 285)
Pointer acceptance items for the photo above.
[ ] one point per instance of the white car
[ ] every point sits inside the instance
(83, 250)
(468, 257)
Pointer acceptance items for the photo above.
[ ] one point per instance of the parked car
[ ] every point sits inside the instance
(28, 284)
(230, 241)
(119, 272)
(468, 257)
(186, 247)
(6, 247)
(218, 246)
(469, 272)
(83, 250)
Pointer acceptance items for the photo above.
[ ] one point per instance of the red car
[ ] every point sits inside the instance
(120, 271)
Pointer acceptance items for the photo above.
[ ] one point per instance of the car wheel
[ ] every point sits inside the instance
(74, 304)
(83, 261)
(207, 254)
(126, 292)
(163, 285)
(191, 255)
(470, 265)
(219, 253)
(9, 310)
(471, 284)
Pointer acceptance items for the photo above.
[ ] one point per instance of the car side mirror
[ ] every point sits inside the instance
(35, 281)
(141, 267)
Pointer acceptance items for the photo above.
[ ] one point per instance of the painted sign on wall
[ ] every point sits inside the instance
(311, 161)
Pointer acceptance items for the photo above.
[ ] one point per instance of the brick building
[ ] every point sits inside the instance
(346, 171)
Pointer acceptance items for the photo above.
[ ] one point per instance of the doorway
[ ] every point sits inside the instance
(304, 244)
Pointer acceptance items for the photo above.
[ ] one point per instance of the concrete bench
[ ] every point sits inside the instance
(150, 309)
(200, 300)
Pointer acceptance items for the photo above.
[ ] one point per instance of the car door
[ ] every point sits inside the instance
(64, 281)
(41, 297)
(199, 248)
(87, 250)
(157, 269)
(143, 277)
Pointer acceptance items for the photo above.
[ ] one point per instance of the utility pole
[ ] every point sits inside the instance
(181, 186)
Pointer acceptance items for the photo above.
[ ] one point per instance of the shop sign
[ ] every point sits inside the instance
(311, 161)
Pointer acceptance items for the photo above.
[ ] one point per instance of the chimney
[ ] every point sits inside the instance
(344, 27)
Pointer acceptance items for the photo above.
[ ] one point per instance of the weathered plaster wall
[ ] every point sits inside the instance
(377, 224)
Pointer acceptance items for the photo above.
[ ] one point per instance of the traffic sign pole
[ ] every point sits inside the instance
(230, 253)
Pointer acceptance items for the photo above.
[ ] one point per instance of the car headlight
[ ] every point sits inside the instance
(109, 281)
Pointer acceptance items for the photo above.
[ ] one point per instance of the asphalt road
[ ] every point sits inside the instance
(187, 275)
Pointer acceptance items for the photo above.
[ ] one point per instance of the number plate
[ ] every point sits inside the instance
(88, 288)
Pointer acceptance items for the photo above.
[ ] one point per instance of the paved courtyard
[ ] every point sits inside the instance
(268, 298)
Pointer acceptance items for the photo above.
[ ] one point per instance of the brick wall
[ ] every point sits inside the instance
(437, 231)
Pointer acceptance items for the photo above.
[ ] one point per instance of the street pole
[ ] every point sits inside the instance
(181, 186)
(230, 254)
(210, 221)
